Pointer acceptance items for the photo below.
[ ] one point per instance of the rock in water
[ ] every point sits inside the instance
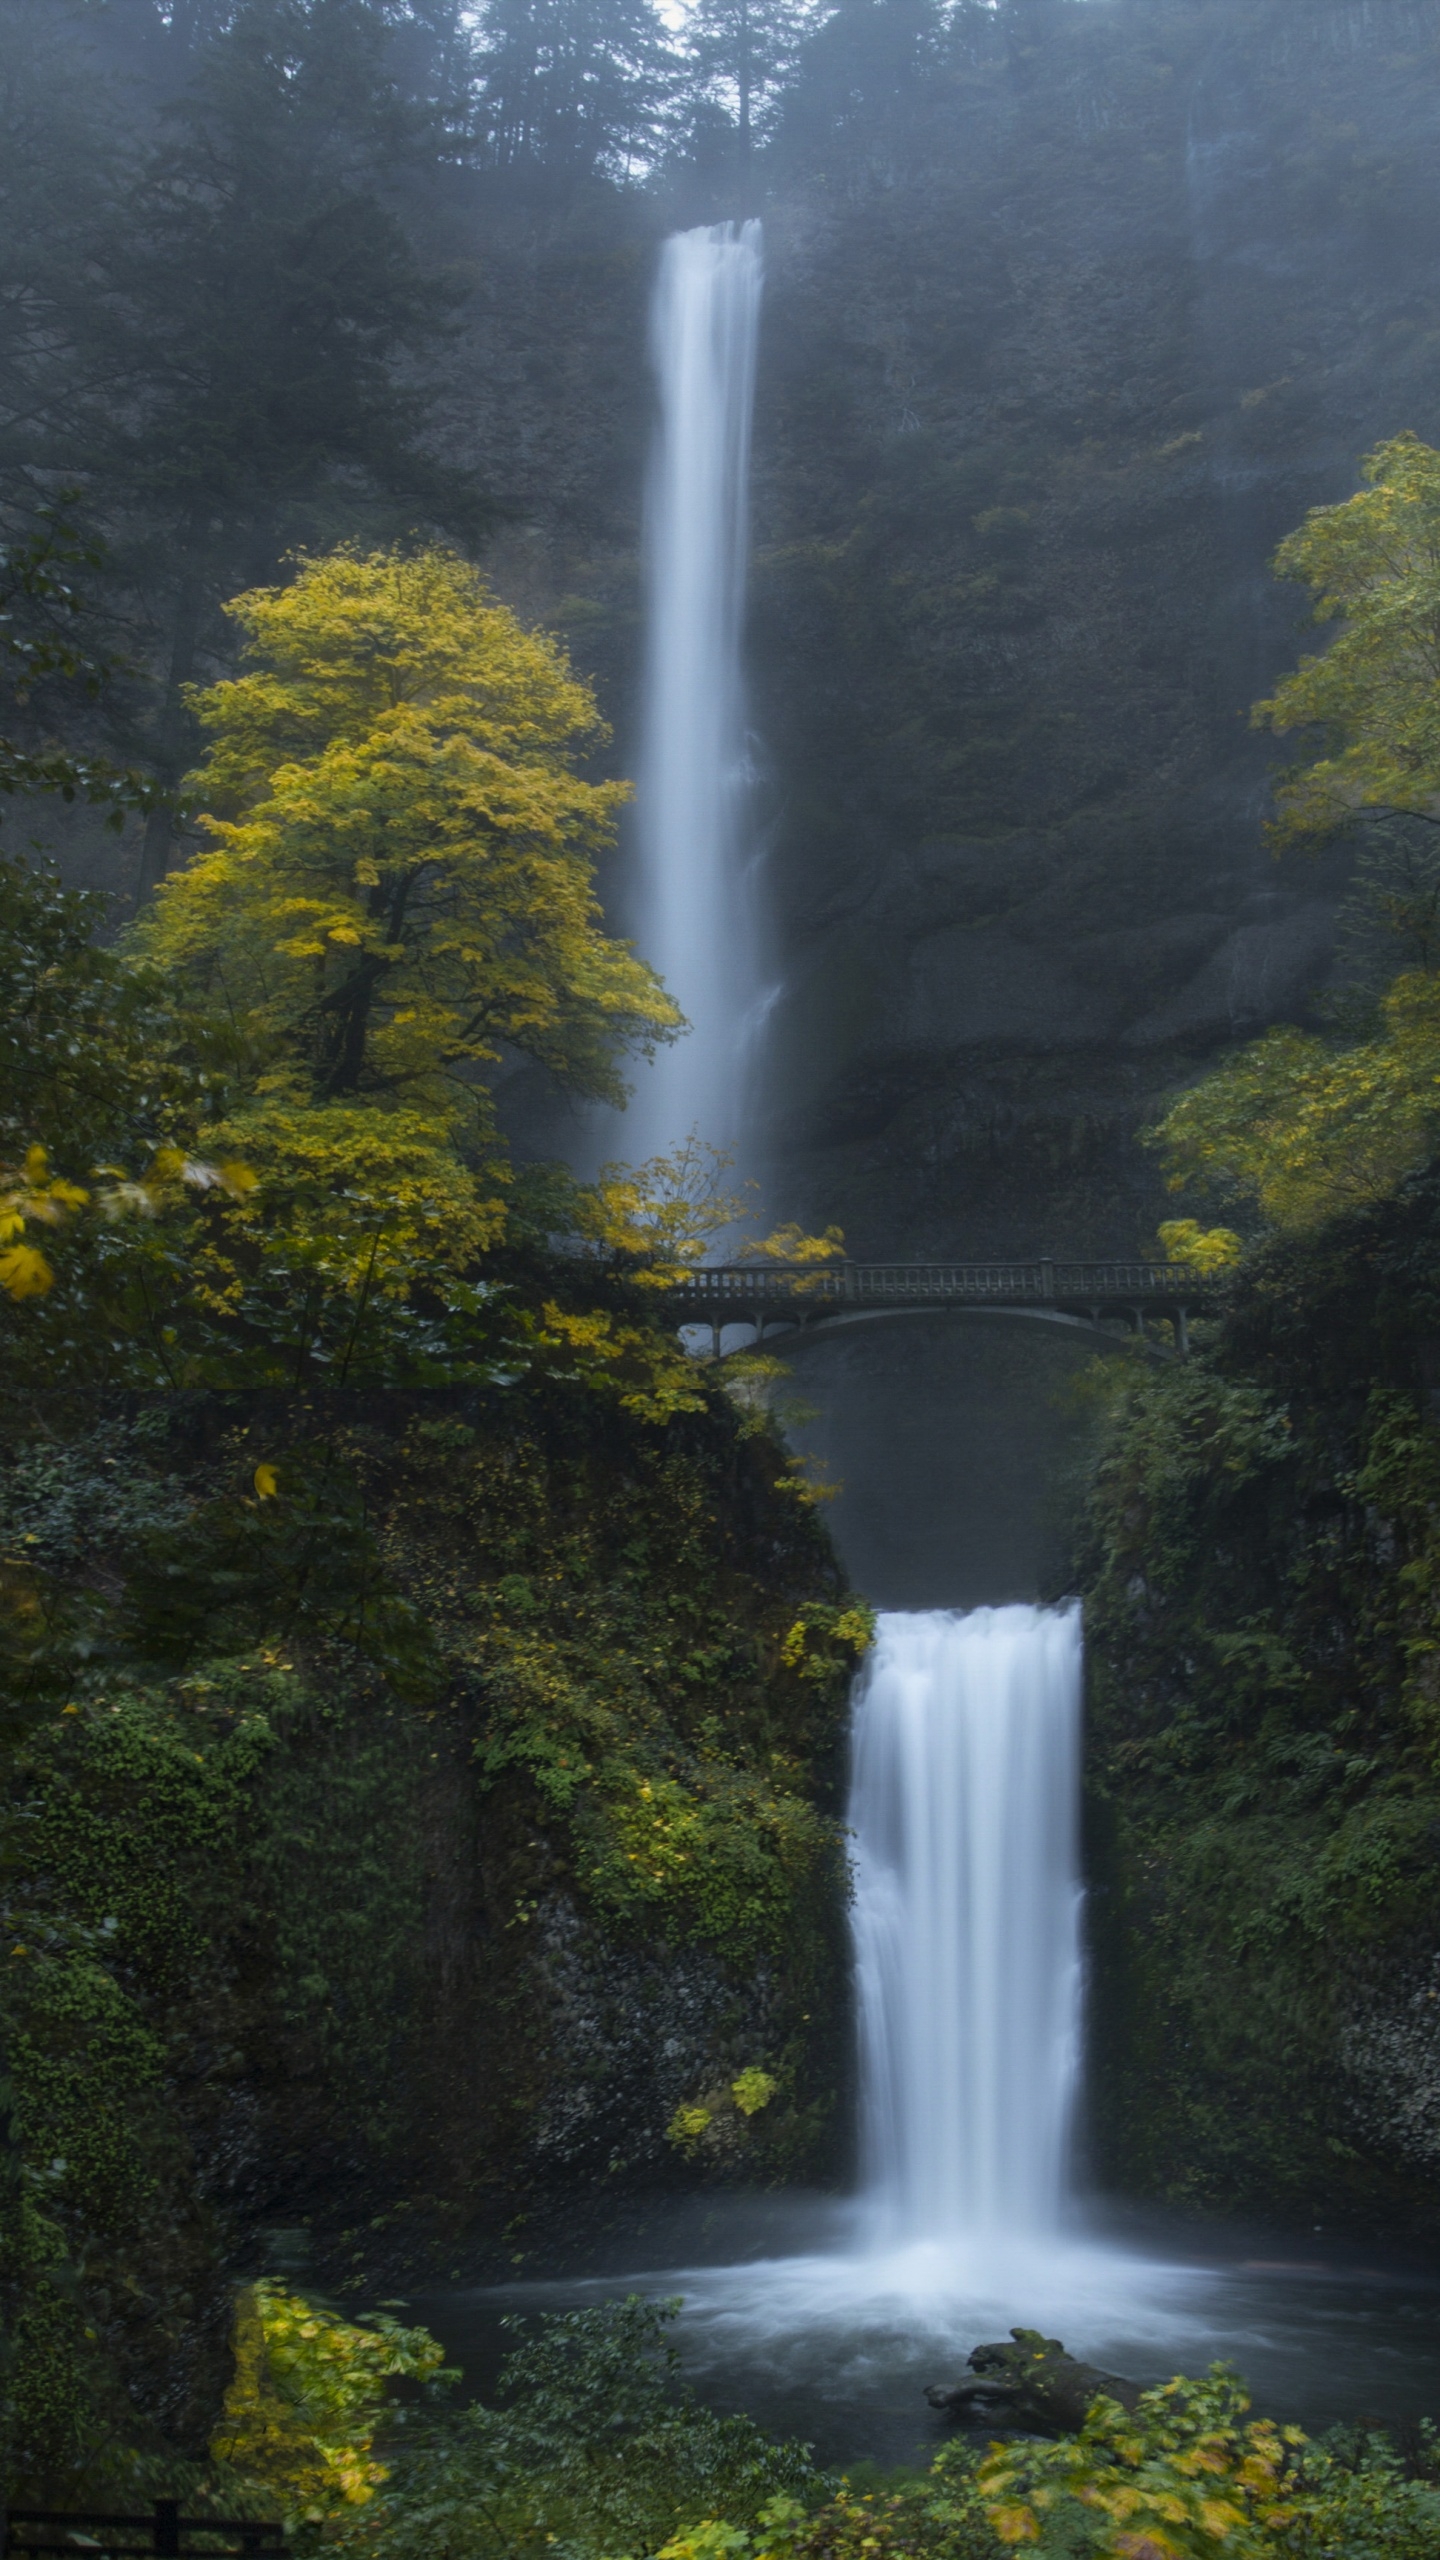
(1032, 2384)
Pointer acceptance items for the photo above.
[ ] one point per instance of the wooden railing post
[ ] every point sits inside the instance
(167, 2528)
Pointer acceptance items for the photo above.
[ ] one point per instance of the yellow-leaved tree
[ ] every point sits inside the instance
(1372, 564)
(397, 891)
(1307, 1127)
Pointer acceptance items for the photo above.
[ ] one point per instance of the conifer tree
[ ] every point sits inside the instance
(276, 291)
(212, 319)
(739, 54)
(571, 90)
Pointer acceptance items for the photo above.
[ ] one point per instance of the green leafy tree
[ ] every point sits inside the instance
(1371, 564)
(97, 1060)
(1302, 1126)
(1305, 1128)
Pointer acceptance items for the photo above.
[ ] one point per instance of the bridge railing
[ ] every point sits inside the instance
(742, 1284)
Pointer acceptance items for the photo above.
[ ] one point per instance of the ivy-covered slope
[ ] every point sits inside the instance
(421, 1804)
(1262, 1580)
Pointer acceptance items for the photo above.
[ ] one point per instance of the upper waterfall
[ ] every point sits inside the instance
(695, 920)
(964, 1806)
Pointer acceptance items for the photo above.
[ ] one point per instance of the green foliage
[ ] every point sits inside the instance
(591, 2449)
(1307, 1128)
(739, 56)
(570, 96)
(1373, 564)
(1262, 1587)
(269, 1653)
(678, 1751)
(221, 323)
(1186, 2475)
(91, 1063)
(308, 2395)
(1183, 2477)
(728, 1855)
(752, 2090)
(195, 1199)
(46, 621)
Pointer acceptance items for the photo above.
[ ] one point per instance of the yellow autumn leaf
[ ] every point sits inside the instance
(25, 1273)
(1217, 2515)
(267, 1482)
(1013, 2523)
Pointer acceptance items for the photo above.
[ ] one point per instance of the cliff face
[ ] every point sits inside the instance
(450, 1829)
(1262, 1590)
(1059, 338)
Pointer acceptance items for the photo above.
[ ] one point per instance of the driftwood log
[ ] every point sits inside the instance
(1032, 2384)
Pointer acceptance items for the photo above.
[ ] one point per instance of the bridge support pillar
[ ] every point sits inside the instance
(1182, 1334)
(715, 1333)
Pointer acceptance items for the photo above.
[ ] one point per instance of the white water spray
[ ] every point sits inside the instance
(695, 922)
(967, 1904)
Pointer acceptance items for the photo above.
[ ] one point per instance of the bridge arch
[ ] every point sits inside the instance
(1092, 1296)
(782, 1325)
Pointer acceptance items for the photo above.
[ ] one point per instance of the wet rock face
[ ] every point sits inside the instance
(632, 2033)
(1389, 2049)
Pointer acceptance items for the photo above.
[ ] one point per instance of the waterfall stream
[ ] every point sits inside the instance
(966, 1920)
(694, 920)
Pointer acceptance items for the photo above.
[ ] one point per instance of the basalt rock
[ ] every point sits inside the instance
(1033, 2385)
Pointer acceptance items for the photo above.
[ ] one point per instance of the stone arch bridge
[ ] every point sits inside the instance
(1101, 1297)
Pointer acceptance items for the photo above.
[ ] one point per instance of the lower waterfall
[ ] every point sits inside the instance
(964, 1810)
(964, 1822)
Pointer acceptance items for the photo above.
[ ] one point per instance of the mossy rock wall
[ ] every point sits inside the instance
(393, 1852)
(1262, 1585)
